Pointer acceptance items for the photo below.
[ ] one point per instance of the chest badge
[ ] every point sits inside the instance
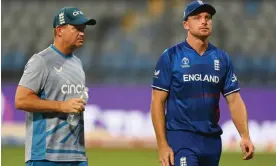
(185, 62)
(216, 65)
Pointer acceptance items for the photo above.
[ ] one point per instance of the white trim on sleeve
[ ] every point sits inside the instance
(159, 88)
(231, 92)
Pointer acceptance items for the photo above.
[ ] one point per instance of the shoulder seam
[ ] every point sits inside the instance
(171, 52)
(44, 62)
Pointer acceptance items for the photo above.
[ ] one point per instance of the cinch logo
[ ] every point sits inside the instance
(75, 13)
(199, 77)
(72, 88)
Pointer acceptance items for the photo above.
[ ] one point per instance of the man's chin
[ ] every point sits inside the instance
(204, 35)
(78, 45)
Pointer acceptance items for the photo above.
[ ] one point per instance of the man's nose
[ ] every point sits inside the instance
(204, 21)
(81, 33)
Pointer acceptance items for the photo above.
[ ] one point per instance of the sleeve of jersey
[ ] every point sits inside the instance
(35, 74)
(231, 82)
(162, 73)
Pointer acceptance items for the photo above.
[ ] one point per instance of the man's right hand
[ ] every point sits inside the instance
(74, 105)
(166, 156)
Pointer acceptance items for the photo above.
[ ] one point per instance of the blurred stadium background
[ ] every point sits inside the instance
(119, 57)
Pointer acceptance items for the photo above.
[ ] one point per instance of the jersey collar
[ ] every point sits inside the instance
(60, 53)
(186, 44)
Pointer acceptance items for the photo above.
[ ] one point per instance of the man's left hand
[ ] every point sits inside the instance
(247, 148)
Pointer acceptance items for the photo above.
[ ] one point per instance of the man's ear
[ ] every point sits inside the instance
(186, 25)
(59, 30)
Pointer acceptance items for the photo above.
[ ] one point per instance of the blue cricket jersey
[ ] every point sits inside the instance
(194, 84)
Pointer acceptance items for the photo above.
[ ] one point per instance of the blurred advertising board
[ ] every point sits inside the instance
(119, 116)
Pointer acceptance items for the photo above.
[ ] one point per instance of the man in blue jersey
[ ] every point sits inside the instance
(49, 90)
(188, 79)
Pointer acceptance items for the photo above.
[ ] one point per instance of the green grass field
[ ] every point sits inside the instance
(14, 156)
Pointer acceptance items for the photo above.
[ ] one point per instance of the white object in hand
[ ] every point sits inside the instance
(74, 118)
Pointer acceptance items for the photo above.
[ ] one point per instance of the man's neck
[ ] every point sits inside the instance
(199, 45)
(65, 50)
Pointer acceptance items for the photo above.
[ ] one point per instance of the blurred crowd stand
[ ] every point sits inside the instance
(130, 36)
